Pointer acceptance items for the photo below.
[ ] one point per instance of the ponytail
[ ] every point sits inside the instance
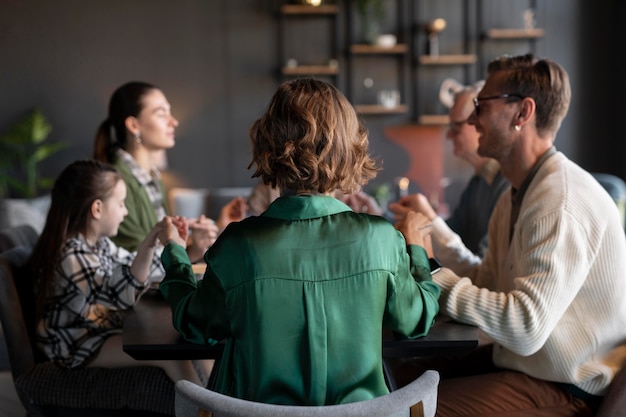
(106, 145)
(126, 101)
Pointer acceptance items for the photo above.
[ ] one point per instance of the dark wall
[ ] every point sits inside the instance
(216, 62)
(213, 59)
(602, 46)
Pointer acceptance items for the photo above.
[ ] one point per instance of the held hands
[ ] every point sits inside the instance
(414, 202)
(204, 232)
(173, 228)
(234, 211)
(416, 229)
(151, 239)
(361, 202)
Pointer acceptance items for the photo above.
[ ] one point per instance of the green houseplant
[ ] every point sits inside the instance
(371, 13)
(22, 149)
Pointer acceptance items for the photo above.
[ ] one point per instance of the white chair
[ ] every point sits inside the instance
(219, 197)
(188, 202)
(419, 398)
(192, 202)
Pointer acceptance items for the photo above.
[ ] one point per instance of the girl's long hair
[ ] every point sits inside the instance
(77, 187)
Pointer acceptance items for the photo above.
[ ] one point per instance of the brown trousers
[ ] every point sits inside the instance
(472, 386)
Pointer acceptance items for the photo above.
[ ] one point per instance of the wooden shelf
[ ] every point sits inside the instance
(515, 33)
(400, 48)
(379, 109)
(310, 70)
(304, 9)
(448, 59)
(434, 119)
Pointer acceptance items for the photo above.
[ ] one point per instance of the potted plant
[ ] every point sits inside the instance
(371, 13)
(22, 149)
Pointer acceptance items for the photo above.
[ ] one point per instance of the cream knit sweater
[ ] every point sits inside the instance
(554, 299)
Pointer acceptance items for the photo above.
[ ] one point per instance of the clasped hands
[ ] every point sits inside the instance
(413, 215)
(197, 235)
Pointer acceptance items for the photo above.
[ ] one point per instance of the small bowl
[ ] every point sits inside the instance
(386, 40)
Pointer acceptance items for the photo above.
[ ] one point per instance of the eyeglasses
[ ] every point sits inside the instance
(456, 126)
(477, 100)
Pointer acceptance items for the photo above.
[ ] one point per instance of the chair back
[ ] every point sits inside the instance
(419, 398)
(12, 315)
(22, 235)
(616, 187)
(192, 202)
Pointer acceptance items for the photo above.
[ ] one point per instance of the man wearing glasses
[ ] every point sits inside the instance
(470, 217)
(550, 292)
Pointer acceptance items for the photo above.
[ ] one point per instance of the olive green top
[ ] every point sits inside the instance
(301, 293)
(142, 215)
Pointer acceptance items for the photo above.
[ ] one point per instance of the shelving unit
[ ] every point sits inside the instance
(434, 60)
(325, 15)
(384, 66)
(380, 109)
(324, 41)
(525, 32)
(535, 33)
(442, 64)
(458, 59)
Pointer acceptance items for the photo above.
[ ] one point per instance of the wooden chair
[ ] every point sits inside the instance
(419, 398)
(46, 389)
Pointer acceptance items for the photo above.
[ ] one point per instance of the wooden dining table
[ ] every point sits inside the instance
(148, 334)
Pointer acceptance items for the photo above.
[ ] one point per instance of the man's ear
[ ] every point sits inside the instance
(96, 209)
(527, 109)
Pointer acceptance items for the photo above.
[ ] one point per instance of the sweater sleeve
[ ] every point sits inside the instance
(451, 251)
(553, 264)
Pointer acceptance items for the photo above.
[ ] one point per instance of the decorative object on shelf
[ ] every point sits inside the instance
(530, 22)
(449, 88)
(371, 13)
(310, 2)
(389, 98)
(433, 29)
(387, 40)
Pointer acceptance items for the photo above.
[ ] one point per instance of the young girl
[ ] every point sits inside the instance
(85, 281)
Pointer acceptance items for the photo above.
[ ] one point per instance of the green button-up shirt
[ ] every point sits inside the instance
(301, 293)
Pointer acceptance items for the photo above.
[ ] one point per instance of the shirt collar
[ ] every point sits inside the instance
(143, 177)
(305, 207)
(518, 195)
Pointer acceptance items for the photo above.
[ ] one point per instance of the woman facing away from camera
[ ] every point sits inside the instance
(139, 127)
(301, 293)
(85, 282)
